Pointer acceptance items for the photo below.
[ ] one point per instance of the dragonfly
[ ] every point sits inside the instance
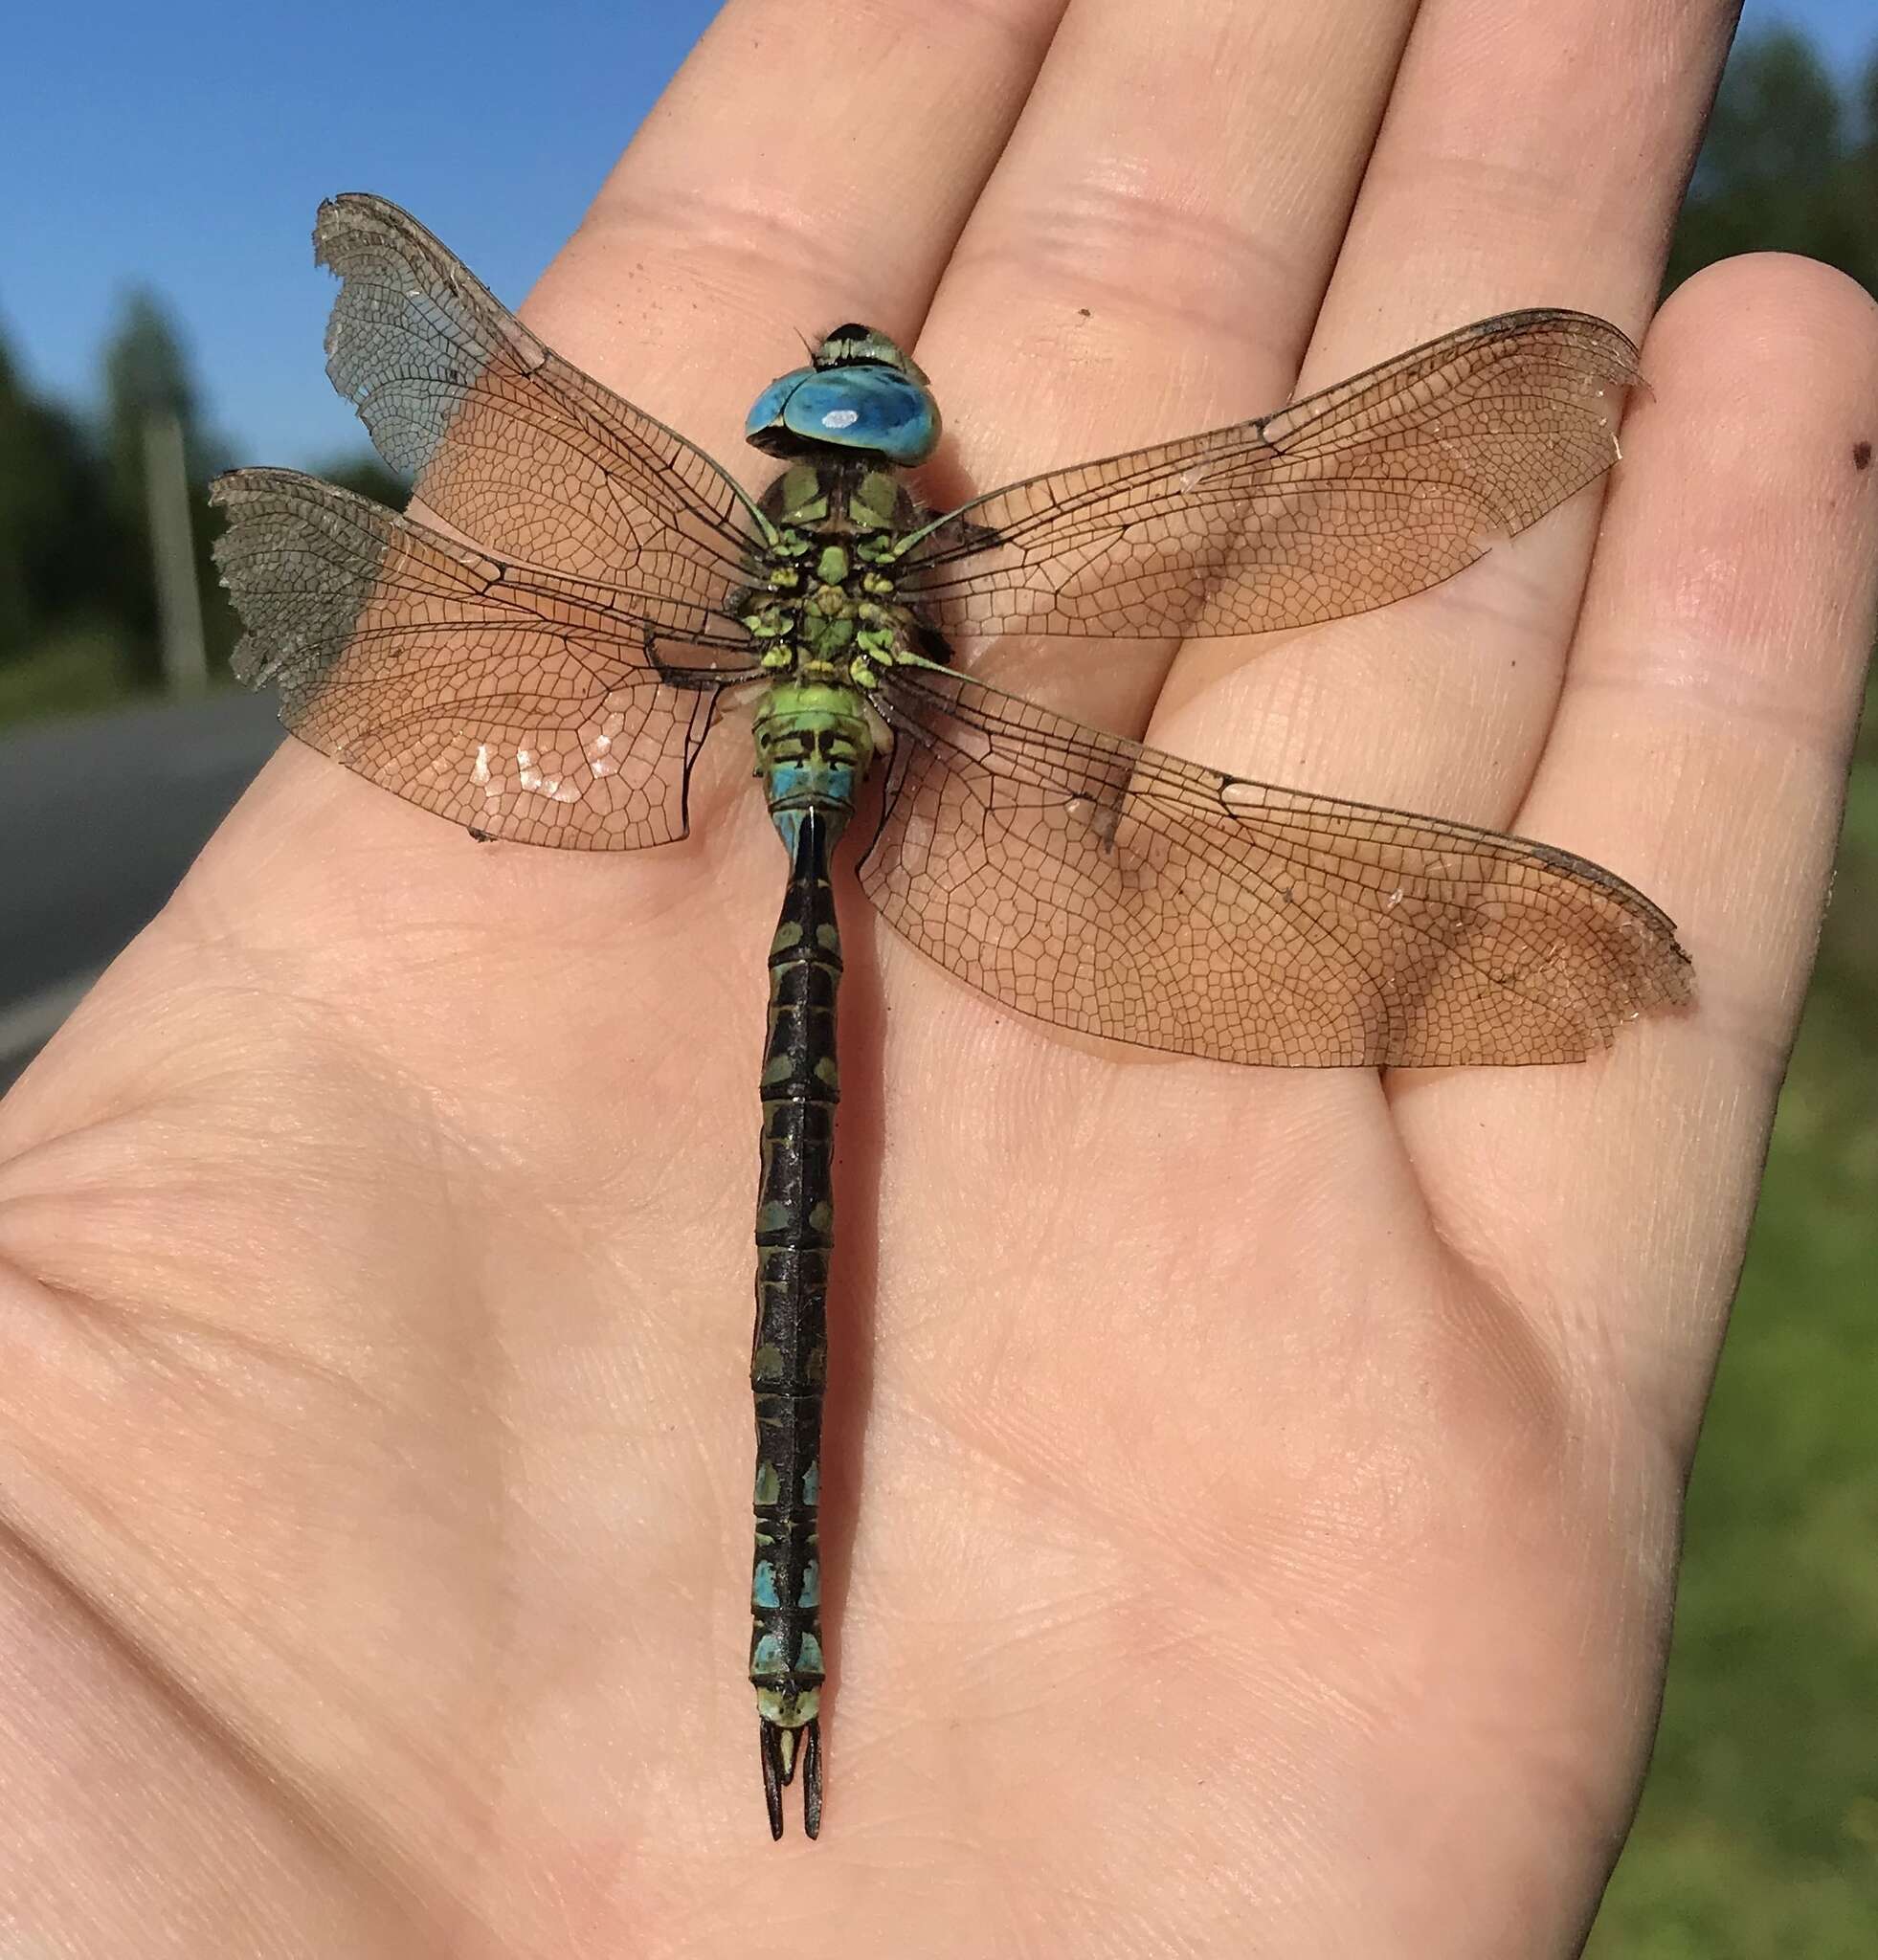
(543, 663)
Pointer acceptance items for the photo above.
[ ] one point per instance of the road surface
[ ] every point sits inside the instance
(99, 819)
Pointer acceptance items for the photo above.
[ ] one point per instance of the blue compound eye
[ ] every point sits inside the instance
(875, 409)
(766, 410)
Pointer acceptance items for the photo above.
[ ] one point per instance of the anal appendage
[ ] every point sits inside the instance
(781, 1754)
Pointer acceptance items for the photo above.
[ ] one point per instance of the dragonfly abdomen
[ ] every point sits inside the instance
(794, 1238)
(813, 746)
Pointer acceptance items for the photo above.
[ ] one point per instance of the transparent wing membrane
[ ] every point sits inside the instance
(1118, 891)
(552, 682)
(511, 700)
(1365, 493)
(507, 442)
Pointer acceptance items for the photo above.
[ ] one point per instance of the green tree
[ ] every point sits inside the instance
(1790, 163)
(50, 507)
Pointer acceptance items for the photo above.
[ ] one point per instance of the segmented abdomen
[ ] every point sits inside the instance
(795, 1238)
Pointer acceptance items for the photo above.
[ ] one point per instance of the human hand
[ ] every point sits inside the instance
(1250, 1497)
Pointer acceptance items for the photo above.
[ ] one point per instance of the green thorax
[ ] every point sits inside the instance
(826, 620)
(825, 609)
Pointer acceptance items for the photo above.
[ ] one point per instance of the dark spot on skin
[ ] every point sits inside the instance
(1861, 455)
(1082, 313)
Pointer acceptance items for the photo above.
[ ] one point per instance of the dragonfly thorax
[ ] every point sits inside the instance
(827, 610)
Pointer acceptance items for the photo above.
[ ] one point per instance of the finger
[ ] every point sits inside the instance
(1534, 154)
(1700, 747)
(1147, 256)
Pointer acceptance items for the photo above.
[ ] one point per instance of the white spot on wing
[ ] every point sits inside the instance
(600, 758)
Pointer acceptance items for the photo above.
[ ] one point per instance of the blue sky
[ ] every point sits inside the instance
(184, 147)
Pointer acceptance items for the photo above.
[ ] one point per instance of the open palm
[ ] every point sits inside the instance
(1250, 1498)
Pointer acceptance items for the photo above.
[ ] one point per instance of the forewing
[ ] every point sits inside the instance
(507, 442)
(512, 700)
(1118, 891)
(1372, 490)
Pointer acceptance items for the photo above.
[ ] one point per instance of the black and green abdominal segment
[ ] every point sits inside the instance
(789, 1348)
(812, 745)
(544, 666)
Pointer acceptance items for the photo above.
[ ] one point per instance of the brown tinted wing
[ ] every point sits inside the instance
(1372, 490)
(1118, 891)
(509, 444)
(516, 703)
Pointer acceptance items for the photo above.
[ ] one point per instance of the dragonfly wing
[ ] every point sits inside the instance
(514, 700)
(1372, 490)
(508, 443)
(1118, 891)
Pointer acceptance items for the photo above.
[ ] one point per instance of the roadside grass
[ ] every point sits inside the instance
(77, 673)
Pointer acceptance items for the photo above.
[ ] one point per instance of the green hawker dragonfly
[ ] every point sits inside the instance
(552, 682)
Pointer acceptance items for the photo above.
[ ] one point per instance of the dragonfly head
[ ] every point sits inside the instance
(860, 392)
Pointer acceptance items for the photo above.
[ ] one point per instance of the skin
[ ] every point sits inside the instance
(1251, 1499)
